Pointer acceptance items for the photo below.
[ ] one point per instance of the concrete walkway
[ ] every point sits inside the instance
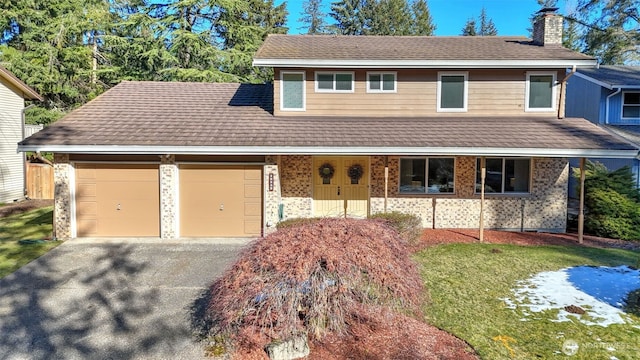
(111, 299)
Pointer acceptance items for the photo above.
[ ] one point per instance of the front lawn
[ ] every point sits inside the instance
(466, 283)
(31, 227)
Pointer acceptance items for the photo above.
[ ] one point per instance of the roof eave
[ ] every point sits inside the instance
(27, 92)
(330, 150)
(426, 64)
(607, 85)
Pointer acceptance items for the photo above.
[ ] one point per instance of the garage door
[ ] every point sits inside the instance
(220, 201)
(117, 200)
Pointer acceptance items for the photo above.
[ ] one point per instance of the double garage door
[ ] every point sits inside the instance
(121, 200)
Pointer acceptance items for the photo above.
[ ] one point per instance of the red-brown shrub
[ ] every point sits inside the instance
(311, 279)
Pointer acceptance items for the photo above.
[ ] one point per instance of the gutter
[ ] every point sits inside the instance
(421, 64)
(333, 150)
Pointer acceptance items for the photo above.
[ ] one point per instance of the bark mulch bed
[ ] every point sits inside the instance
(432, 237)
(19, 207)
(389, 335)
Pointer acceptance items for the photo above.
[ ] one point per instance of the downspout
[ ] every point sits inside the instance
(24, 156)
(386, 182)
(606, 105)
(483, 176)
(563, 93)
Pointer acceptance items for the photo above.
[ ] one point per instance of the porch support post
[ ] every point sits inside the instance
(483, 175)
(581, 210)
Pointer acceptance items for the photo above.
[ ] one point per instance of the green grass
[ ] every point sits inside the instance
(465, 283)
(31, 225)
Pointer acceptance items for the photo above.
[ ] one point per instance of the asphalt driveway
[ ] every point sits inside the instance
(116, 299)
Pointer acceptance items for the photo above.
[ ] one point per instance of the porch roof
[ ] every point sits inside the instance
(214, 118)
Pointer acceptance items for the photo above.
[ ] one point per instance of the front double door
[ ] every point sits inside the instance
(340, 189)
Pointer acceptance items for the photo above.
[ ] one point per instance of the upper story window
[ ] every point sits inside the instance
(381, 82)
(334, 82)
(505, 175)
(452, 91)
(426, 175)
(292, 90)
(631, 105)
(540, 91)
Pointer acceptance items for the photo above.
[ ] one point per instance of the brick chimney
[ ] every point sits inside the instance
(547, 28)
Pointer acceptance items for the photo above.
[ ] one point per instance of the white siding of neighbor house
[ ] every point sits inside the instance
(11, 166)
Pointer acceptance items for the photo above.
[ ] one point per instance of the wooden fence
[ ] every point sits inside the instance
(39, 181)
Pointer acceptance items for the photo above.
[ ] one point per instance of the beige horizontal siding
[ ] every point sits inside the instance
(490, 92)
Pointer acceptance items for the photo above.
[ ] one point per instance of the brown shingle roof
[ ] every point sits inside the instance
(187, 115)
(410, 48)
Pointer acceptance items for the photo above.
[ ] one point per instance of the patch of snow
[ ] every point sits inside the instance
(607, 284)
(600, 291)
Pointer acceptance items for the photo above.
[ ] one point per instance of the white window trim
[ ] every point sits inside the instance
(465, 94)
(622, 105)
(334, 73)
(554, 96)
(304, 91)
(426, 180)
(502, 192)
(382, 73)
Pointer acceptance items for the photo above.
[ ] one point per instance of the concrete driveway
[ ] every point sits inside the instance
(114, 299)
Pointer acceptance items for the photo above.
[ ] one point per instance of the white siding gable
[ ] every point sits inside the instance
(11, 166)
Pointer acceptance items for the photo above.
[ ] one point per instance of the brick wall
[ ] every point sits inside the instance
(543, 209)
(296, 183)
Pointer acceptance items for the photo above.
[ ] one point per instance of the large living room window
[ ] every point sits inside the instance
(426, 175)
(292, 92)
(452, 92)
(334, 82)
(540, 91)
(381, 82)
(505, 175)
(631, 105)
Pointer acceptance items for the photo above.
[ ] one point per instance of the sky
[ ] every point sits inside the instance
(511, 17)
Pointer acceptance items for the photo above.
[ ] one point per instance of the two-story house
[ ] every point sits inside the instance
(350, 126)
(13, 93)
(608, 96)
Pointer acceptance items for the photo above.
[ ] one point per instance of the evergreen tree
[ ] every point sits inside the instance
(382, 17)
(469, 28)
(422, 22)
(349, 16)
(313, 17)
(243, 26)
(571, 38)
(389, 17)
(484, 26)
(613, 29)
(487, 27)
(53, 46)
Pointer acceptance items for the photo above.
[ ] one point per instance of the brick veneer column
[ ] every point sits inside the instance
(168, 197)
(62, 196)
(272, 198)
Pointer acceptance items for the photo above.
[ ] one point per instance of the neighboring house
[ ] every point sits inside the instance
(13, 93)
(351, 126)
(610, 97)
